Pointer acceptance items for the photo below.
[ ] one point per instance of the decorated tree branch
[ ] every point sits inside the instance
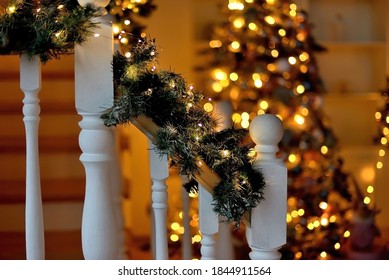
(157, 101)
(169, 111)
(50, 28)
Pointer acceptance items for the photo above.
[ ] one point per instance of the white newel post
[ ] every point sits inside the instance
(208, 224)
(30, 84)
(94, 92)
(159, 172)
(267, 230)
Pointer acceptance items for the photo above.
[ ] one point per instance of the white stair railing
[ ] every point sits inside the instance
(267, 230)
(102, 237)
(30, 84)
(94, 92)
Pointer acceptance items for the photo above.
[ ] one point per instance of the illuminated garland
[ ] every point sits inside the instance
(44, 28)
(185, 131)
(51, 28)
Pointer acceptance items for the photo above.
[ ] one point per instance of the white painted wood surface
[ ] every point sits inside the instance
(267, 231)
(209, 225)
(94, 93)
(187, 253)
(222, 112)
(116, 178)
(159, 172)
(30, 84)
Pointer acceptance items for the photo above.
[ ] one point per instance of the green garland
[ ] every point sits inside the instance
(51, 28)
(186, 132)
(47, 29)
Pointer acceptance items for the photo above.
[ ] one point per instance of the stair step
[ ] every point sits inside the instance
(67, 245)
(58, 125)
(59, 245)
(56, 68)
(57, 215)
(46, 144)
(52, 191)
(57, 90)
(53, 166)
(46, 108)
(56, 94)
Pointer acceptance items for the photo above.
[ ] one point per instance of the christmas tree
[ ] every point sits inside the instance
(263, 61)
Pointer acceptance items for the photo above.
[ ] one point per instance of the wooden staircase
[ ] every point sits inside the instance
(62, 174)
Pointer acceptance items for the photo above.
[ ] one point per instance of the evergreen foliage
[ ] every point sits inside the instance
(186, 132)
(47, 29)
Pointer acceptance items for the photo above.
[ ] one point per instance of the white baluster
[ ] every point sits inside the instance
(225, 250)
(159, 171)
(209, 225)
(224, 243)
(94, 92)
(186, 237)
(30, 84)
(267, 231)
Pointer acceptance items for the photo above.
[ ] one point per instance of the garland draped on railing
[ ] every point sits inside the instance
(185, 131)
(180, 127)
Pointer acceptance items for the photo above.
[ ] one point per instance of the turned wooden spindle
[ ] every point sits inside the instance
(30, 84)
